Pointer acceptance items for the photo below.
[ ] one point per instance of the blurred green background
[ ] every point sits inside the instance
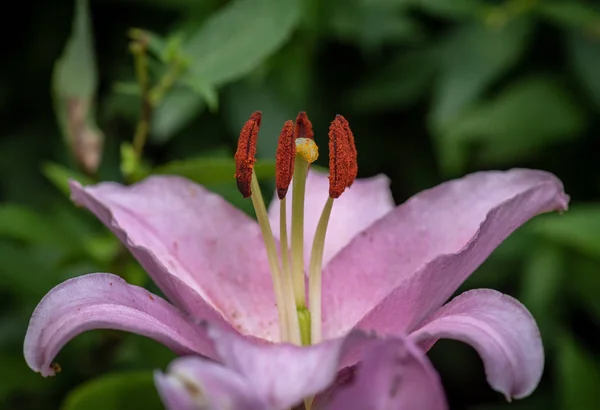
(433, 89)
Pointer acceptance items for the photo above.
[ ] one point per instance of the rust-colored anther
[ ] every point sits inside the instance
(246, 153)
(286, 154)
(343, 165)
(303, 128)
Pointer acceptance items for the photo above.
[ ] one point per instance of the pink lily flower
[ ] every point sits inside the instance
(393, 374)
(373, 267)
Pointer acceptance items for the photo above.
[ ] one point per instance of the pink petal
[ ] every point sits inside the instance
(174, 394)
(501, 330)
(362, 204)
(179, 230)
(105, 301)
(407, 264)
(213, 387)
(283, 374)
(393, 375)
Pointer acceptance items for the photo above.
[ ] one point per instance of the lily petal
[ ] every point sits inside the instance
(501, 330)
(408, 263)
(393, 375)
(106, 301)
(194, 383)
(282, 375)
(179, 230)
(367, 200)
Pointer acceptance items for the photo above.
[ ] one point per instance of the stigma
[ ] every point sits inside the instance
(296, 151)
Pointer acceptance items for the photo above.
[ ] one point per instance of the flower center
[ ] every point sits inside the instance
(296, 150)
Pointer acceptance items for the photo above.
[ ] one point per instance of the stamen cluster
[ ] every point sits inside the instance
(296, 150)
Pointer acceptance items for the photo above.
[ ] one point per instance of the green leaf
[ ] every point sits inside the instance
(404, 81)
(174, 112)
(455, 9)
(122, 391)
(243, 98)
(204, 90)
(578, 228)
(60, 175)
(222, 50)
(21, 223)
(211, 171)
(585, 59)
(527, 115)
(372, 25)
(474, 57)
(570, 13)
(74, 87)
(21, 379)
(578, 376)
(584, 285)
(542, 285)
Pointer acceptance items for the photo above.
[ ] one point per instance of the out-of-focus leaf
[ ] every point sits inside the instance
(174, 112)
(21, 223)
(243, 98)
(474, 57)
(541, 286)
(570, 13)
(211, 171)
(405, 80)
(155, 43)
(578, 376)
(170, 4)
(371, 26)
(29, 271)
(74, 87)
(584, 286)
(524, 117)
(205, 90)
(60, 175)
(139, 349)
(222, 50)
(455, 9)
(585, 57)
(21, 380)
(130, 161)
(578, 228)
(122, 391)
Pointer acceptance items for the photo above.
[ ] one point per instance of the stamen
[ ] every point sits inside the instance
(246, 153)
(306, 153)
(285, 158)
(343, 166)
(315, 272)
(288, 287)
(286, 153)
(265, 227)
(303, 128)
(249, 187)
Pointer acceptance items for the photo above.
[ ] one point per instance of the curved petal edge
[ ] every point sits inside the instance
(500, 329)
(106, 301)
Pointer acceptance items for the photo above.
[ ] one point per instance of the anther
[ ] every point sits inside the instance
(303, 128)
(343, 165)
(286, 153)
(307, 149)
(246, 153)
